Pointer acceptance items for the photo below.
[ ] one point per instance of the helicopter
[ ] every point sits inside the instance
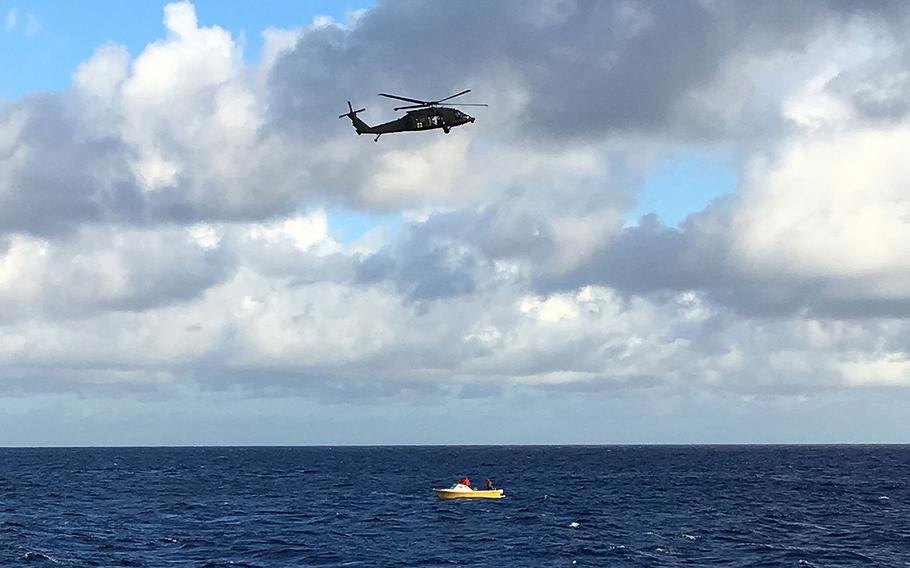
(427, 115)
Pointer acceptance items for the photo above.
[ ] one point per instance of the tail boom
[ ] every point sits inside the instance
(360, 126)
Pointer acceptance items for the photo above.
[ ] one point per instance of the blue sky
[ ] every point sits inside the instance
(686, 182)
(188, 253)
(43, 41)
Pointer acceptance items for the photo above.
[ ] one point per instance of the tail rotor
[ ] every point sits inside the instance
(351, 112)
(360, 126)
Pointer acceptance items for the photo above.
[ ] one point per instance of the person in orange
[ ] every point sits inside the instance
(466, 481)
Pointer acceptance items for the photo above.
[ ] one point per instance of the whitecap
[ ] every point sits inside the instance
(574, 524)
(31, 556)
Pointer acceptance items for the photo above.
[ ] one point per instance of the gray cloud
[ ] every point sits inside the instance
(879, 93)
(107, 268)
(589, 69)
(57, 178)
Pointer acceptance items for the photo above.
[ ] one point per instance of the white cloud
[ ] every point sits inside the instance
(102, 75)
(309, 232)
(180, 18)
(171, 81)
(891, 369)
(814, 106)
(101, 269)
(832, 205)
(275, 43)
(9, 22)
(553, 309)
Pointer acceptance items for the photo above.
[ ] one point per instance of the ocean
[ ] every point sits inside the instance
(567, 506)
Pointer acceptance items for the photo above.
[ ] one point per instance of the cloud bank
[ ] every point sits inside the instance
(168, 220)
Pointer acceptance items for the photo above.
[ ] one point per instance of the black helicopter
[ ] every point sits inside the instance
(426, 116)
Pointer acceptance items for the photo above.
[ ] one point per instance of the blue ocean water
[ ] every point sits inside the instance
(373, 506)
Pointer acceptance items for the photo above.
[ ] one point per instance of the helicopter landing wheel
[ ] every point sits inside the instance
(446, 129)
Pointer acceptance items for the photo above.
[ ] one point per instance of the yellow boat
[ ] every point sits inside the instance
(459, 491)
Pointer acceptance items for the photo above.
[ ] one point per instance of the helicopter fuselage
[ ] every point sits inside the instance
(421, 119)
(426, 115)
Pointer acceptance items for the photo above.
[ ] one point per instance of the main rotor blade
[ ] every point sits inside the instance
(453, 96)
(412, 106)
(405, 99)
(441, 105)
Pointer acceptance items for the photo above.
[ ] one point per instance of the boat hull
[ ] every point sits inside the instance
(477, 494)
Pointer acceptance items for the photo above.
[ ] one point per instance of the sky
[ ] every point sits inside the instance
(676, 223)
